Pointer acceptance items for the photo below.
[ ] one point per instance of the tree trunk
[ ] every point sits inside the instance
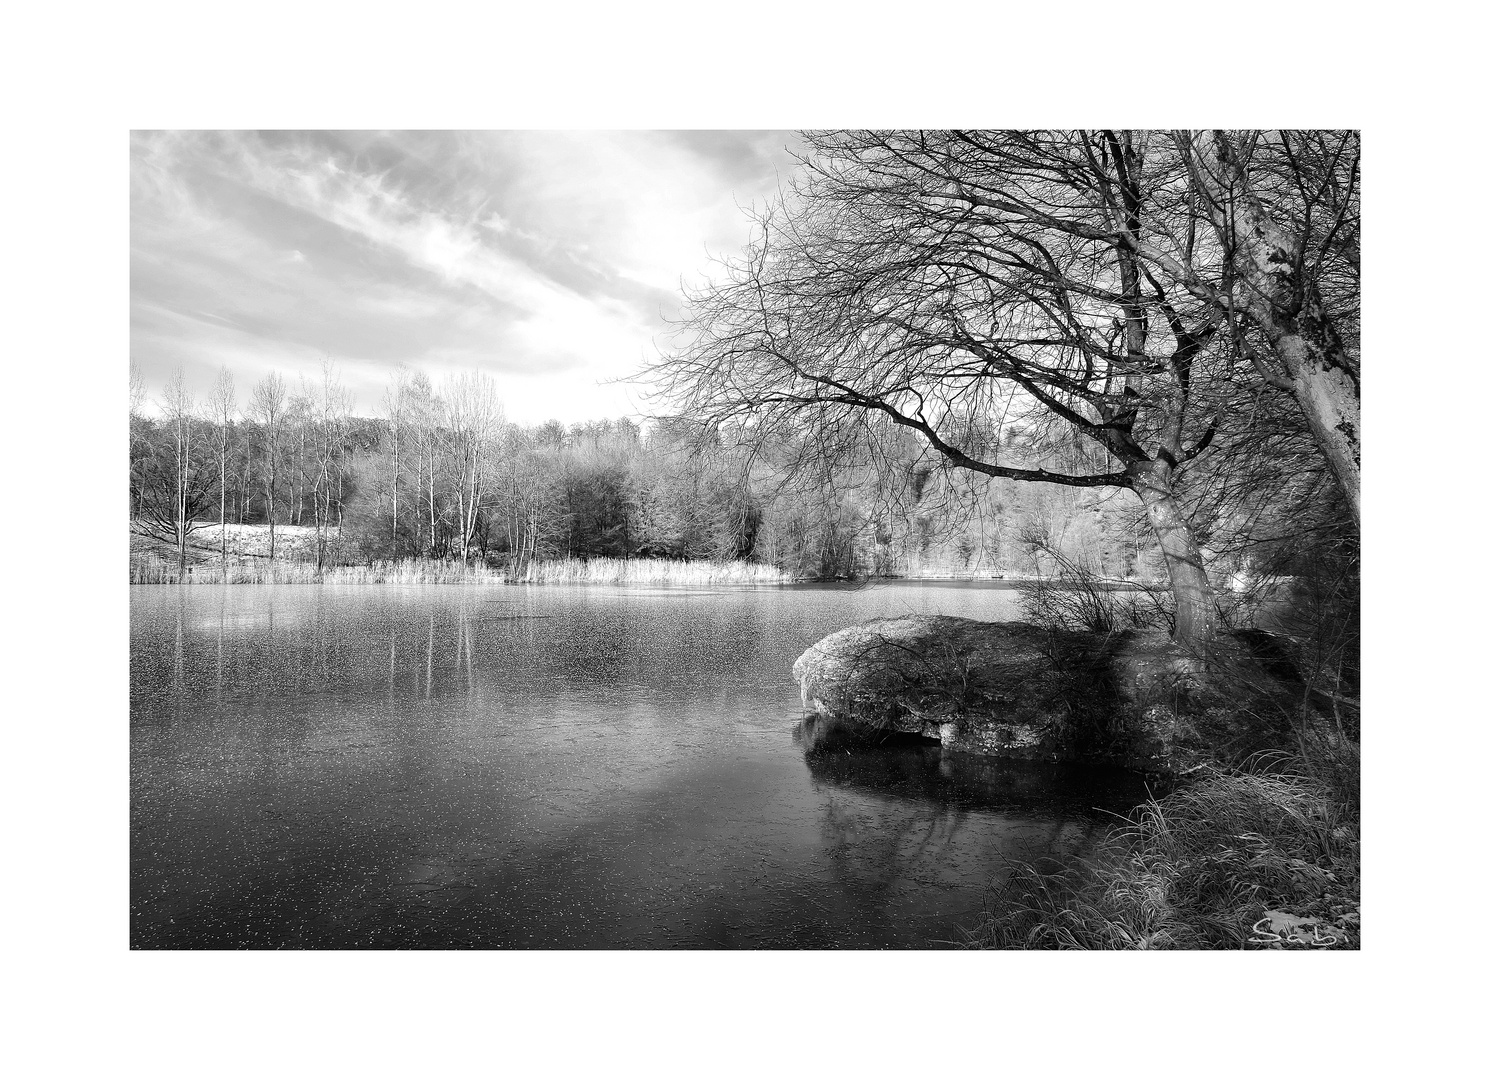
(1329, 396)
(432, 502)
(222, 506)
(1194, 599)
(183, 458)
(393, 525)
(1286, 303)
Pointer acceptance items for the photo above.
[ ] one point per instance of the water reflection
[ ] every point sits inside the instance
(510, 767)
(911, 767)
(923, 800)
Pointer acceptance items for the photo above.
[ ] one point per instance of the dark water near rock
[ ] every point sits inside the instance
(562, 767)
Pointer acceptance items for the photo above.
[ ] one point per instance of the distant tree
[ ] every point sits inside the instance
(472, 420)
(395, 400)
(551, 433)
(299, 452)
(328, 420)
(268, 408)
(172, 484)
(526, 496)
(139, 437)
(422, 412)
(221, 406)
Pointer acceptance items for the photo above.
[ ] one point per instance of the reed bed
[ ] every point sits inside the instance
(647, 572)
(151, 570)
(1235, 861)
(147, 568)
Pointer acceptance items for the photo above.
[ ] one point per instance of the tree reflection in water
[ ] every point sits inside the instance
(922, 797)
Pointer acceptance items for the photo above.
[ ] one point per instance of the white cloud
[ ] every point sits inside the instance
(574, 239)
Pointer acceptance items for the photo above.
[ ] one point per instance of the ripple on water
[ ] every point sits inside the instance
(548, 767)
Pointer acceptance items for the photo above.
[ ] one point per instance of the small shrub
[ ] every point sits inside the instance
(1078, 597)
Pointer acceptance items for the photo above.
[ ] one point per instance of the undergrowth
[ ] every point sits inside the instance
(1078, 597)
(1233, 861)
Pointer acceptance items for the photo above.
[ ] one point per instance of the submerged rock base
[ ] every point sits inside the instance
(1007, 690)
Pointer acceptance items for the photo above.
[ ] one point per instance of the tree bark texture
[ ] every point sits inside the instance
(1194, 599)
(1287, 305)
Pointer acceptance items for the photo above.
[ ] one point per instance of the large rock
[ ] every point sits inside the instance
(1001, 689)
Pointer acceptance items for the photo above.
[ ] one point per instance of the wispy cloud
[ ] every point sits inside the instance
(550, 259)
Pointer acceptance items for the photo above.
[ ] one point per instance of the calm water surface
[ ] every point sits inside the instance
(570, 767)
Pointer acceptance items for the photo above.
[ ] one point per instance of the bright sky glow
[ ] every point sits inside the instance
(550, 260)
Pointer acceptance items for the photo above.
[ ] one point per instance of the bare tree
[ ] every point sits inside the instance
(332, 408)
(473, 420)
(963, 285)
(268, 409)
(299, 426)
(526, 495)
(136, 389)
(422, 417)
(992, 290)
(139, 443)
(172, 485)
(395, 402)
(222, 405)
(1285, 209)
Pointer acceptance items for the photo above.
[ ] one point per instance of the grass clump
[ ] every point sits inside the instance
(1233, 861)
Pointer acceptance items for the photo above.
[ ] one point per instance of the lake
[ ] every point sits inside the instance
(552, 767)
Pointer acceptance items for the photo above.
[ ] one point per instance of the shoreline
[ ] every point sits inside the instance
(1256, 842)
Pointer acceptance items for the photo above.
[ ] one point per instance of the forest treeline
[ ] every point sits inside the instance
(441, 474)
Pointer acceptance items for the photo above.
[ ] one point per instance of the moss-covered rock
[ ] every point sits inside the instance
(1005, 689)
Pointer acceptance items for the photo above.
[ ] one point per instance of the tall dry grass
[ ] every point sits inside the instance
(151, 570)
(147, 568)
(1235, 861)
(648, 572)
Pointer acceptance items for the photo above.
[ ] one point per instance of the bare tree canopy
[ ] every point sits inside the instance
(268, 408)
(970, 285)
(1285, 210)
(170, 478)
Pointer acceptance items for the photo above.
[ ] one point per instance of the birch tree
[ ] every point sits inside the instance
(268, 409)
(173, 482)
(395, 402)
(139, 442)
(1285, 210)
(473, 419)
(222, 404)
(422, 412)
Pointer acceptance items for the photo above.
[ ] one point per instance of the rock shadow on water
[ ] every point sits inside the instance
(908, 766)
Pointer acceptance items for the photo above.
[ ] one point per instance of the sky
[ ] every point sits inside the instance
(550, 260)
